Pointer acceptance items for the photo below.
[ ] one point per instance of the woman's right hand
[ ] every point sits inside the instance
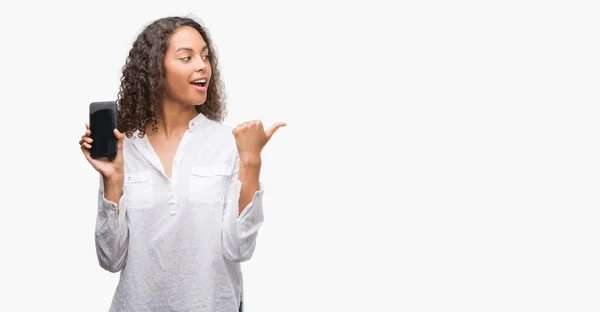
(111, 169)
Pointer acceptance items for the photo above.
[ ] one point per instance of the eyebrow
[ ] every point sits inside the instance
(190, 49)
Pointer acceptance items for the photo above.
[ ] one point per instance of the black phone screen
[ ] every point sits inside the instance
(101, 127)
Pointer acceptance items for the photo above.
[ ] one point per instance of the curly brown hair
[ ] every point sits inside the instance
(143, 81)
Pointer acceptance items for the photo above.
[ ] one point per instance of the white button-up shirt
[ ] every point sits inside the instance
(179, 242)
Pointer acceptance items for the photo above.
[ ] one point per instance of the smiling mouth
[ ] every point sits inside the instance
(200, 82)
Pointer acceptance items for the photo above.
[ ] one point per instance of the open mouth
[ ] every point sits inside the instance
(200, 82)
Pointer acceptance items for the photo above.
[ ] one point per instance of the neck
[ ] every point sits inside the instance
(174, 118)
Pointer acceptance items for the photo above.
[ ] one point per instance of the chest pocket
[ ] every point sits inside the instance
(208, 184)
(137, 188)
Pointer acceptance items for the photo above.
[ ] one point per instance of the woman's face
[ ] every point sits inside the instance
(187, 67)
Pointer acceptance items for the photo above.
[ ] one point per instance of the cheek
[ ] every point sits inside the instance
(177, 80)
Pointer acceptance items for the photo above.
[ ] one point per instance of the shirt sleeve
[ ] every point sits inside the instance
(241, 230)
(112, 234)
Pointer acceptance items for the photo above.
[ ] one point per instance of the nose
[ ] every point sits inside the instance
(201, 65)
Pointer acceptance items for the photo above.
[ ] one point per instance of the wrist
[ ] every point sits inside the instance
(250, 160)
(114, 179)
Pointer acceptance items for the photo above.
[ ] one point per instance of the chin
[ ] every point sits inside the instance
(195, 101)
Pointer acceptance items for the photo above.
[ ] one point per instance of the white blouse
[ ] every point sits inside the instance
(179, 242)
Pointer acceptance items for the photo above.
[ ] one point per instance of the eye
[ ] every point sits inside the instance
(206, 57)
(187, 58)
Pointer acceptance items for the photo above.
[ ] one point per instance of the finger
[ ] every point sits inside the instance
(240, 128)
(87, 126)
(120, 136)
(87, 154)
(86, 145)
(269, 133)
(86, 139)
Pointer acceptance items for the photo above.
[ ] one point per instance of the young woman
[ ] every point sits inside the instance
(180, 206)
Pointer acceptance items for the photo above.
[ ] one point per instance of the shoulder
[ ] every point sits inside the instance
(216, 138)
(220, 132)
(128, 141)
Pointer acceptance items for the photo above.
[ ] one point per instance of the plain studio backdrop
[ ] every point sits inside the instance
(439, 155)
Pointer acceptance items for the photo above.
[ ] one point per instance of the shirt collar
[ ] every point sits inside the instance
(194, 124)
(197, 121)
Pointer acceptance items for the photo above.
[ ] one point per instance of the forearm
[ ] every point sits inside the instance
(249, 176)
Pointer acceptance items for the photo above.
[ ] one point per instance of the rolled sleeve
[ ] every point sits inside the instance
(112, 233)
(240, 231)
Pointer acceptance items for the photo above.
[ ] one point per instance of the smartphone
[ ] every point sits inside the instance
(103, 121)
